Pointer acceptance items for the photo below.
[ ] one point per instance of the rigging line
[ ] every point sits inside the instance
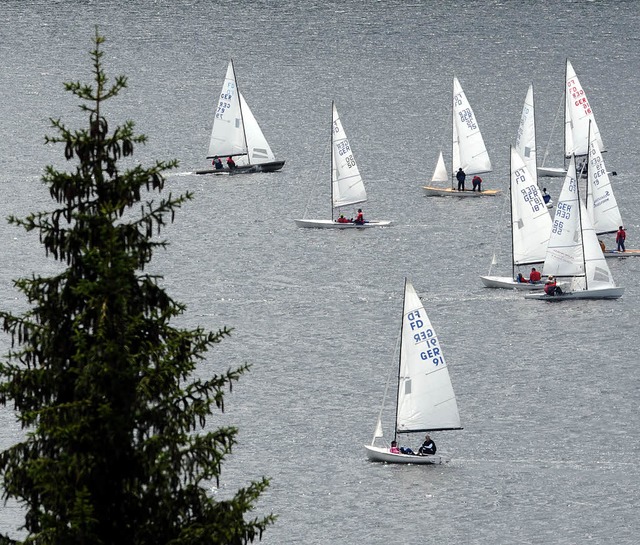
(316, 182)
(553, 127)
(388, 381)
(499, 229)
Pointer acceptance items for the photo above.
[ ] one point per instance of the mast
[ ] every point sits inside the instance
(244, 132)
(404, 298)
(454, 135)
(586, 186)
(513, 257)
(564, 116)
(584, 259)
(333, 109)
(535, 137)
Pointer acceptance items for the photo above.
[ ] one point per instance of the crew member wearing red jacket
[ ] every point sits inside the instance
(535, 276)
(621, 235)
(551, 287)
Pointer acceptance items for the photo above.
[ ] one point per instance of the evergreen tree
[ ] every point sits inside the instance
(115, 450)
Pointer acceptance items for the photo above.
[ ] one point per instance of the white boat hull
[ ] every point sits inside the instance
(450, 192)
(379, 454)
(246, 169)
(552, 172)
(616, 253)
(606, 293)
(332, 224)
(506, 282)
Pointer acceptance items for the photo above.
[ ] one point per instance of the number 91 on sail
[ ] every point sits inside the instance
(427, 336)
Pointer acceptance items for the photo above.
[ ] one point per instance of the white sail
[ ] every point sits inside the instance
(348, 187)
(526, 138)
(568, 124)
(598, 275)
(579, 116)
(601, 203)
(573, 248)
(440, 172)
(259, 149)
(228, 134)
(456, 163)
(531, 222)
(426, 400)
(473, 155)
(564, 251)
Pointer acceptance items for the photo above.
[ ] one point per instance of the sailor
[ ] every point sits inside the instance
(460, 176)
(551, 287)
(427, 447)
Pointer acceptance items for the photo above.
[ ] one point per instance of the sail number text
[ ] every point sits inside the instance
(577, 94)
(466, 116)
(427, 336)
(225, 101)
(563, 212)
(343, 149)
(530, 194)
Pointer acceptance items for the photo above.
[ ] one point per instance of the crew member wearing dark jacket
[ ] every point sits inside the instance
(427, 447)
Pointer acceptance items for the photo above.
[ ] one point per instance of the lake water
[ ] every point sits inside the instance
(548, 394)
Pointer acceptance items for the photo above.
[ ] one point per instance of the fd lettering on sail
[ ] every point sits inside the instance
(414, 320)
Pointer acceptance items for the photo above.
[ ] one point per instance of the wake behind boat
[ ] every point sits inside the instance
(425, 399)
(468, 151)
(347, 187)
(236, 133)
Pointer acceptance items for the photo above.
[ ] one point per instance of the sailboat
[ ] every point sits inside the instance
(347, 187)
(530, 226)
(236, 133)
(526, 139)
(578, 116)
(601, 202)
(468, 150)
(425, 399)
(573, 251)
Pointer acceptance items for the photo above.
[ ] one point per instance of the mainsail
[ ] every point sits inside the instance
(578, 117)
(530, 219)
(469, 150)
(346, 182)
(601, 203)
(426, 401)
(228, 135)
(526, 138)
(573, 249)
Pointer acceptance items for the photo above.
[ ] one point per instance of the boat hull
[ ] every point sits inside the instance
(616, 253)
(379, 454)
(506, 282)
(332, 224)
(246, 169)
(606, 293)
(450, 192)
(552, 172)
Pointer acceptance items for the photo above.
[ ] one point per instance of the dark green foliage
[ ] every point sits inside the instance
(115, 451)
